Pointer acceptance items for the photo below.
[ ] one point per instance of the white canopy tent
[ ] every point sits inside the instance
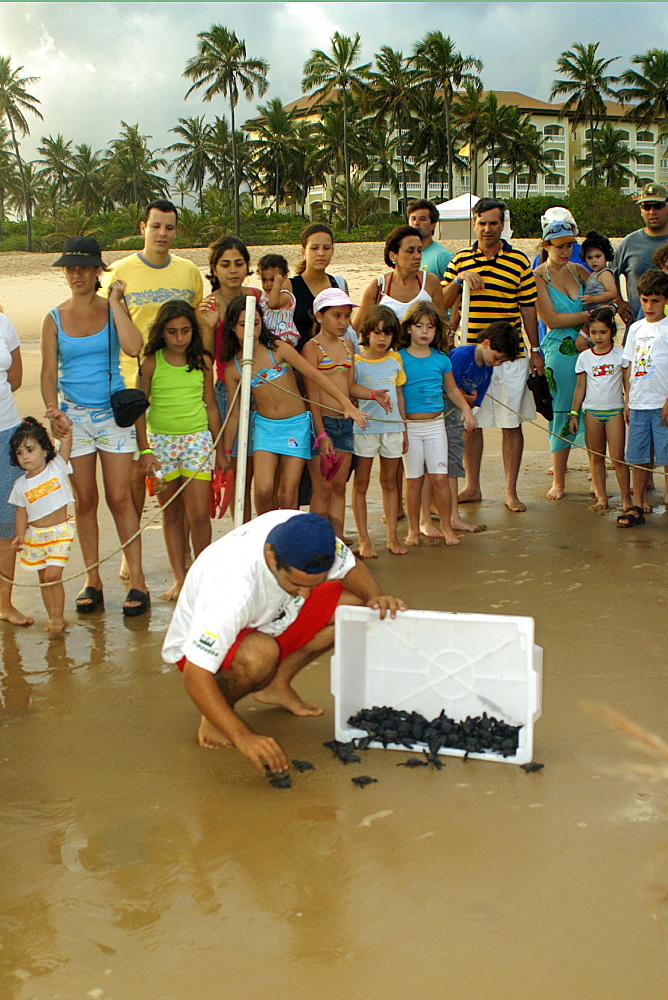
(456, 221)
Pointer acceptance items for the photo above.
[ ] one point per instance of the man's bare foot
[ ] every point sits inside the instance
(469, 496)
(172, 594)
(210, 737)
(15, 617)
(413, 538)
(599, 507)
(123, 570)
(366, 551)
(396, 548)
(430, 530)
(556, 493)
(55, 626)
(284, 696)
(450, 537)
(515, 505)
(458, 525)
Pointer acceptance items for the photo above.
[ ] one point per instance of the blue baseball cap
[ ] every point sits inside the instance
(558, 233)
(306, 542)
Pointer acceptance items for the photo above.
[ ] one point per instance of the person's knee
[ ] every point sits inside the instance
(86, 503)
(52, 574)
(257, 662)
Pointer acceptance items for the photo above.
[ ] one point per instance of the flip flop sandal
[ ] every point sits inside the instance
(142, 606)
(93, 599)
(633, 516)
(330, 463)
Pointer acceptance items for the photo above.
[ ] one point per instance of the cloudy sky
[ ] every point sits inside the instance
(99, 63)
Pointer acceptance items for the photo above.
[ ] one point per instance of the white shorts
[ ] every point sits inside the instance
(96, 430)
(427, 448)
(509, 387)
(388, 445)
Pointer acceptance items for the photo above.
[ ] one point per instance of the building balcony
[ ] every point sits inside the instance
(555, 188)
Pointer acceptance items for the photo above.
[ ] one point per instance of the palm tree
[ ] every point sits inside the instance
(73, 221)
(220, 153)
(182, 189)
(649, 87)
(336, 73)
(14, 101)
(468, 118)
(86, 178)
(391, 97)
(276, 146)
(328, 133)
(382, 155)
(221, 67)
(587, 86)
(428, 143)
(442, 67)
(57, 160)
(194, 162)
(498, 122)
(355, 198)
(27, 193)
(612, 155)
(131, 169)
(7, 171)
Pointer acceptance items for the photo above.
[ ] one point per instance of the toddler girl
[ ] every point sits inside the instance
(43, 532)
(183, 421)
(278, 304)
(599, 388)
(378, 366)
(601, 288)
(428, 372)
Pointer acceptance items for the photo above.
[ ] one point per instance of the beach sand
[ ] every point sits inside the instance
(137, 865)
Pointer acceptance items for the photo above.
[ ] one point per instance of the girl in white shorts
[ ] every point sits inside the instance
(44, 533)
(378, 366)
(428, 373)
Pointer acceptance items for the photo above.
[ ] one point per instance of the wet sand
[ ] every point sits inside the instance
(136, 865)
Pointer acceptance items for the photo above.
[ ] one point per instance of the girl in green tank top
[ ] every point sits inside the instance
(176, 436)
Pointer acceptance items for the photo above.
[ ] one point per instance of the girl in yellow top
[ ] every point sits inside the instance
(183, 420)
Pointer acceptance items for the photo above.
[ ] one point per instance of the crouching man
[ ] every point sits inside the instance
(256, 607)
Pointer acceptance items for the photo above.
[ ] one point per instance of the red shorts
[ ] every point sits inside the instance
(317, 612)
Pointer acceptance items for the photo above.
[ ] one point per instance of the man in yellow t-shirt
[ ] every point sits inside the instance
(153, 276)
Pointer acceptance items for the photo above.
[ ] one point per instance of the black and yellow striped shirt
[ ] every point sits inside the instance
(509, 284)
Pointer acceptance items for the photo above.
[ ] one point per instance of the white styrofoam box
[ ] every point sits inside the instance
(426, 661)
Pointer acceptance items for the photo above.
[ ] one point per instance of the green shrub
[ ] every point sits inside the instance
(525, 214)
(605, 210)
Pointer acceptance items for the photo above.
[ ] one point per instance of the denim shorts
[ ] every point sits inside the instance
(340, 432)
(646, 432)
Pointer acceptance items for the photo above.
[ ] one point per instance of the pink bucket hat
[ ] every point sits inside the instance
(331, 297)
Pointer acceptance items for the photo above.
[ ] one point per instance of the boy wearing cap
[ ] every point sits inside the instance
(633, 255)
(257, 605)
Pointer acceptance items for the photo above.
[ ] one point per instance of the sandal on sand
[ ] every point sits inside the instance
(631, 518)
(140, 608)
(88, 600)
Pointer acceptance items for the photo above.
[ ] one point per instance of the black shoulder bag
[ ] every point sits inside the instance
(127, 404)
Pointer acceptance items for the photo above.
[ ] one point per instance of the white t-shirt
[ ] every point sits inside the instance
(45, 492)
(228, 588)
(646, 349)
(9, 341)
(604, 379)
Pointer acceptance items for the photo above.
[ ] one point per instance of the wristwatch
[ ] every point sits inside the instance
(535, 350)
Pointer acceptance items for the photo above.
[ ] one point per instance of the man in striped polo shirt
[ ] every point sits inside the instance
(502, 288)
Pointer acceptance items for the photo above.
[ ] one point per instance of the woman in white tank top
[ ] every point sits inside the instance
(405, 282)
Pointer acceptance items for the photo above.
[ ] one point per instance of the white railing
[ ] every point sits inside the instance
(644, 145)
(553, 188)
(554, 138)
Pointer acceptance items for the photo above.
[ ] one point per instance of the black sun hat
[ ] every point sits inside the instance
(81, 251)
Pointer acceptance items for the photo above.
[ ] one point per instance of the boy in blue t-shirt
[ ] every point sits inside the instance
(472, 366)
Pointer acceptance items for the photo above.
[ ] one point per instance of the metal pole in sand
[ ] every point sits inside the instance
(464, 319)
(244, 410)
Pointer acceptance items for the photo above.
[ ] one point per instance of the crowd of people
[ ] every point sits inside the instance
(334, 384)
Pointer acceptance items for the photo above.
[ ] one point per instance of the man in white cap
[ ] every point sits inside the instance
(257, 606)
(633, 255)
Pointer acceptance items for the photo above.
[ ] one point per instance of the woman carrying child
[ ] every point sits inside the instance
(44, 534)
(276, 301)
(282, 424)
(599, 390)
(177, 435)
(428, 373)
(378, 366)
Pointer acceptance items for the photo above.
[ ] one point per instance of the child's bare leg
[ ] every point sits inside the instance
(440, 486)
(427, 526)
(614, 430)
(174, 534)
(337, 502)
(640, 479)
(400, 493)
(265, 468)
(456, 522)
(413, 498)
(360, 488)
(388, 485)
(290, 470)
(559, 469)
(8, 613)
(197, 514)
(54, 598)
(596, 440)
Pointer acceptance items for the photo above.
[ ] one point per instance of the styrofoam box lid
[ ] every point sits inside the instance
(426, 661)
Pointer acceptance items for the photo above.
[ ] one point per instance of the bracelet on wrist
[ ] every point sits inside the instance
(146, 451)
(573, 413)
(320, 437)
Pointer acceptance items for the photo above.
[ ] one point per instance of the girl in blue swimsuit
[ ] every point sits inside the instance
(282, 423)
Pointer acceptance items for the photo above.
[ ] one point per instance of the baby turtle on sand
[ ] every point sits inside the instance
(413, 762)
(279, 780)
(303, 765)
(529, 768)
(344, 751)
(363, 779)
(481, 734)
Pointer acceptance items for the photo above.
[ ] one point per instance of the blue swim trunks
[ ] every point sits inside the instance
(290, 436)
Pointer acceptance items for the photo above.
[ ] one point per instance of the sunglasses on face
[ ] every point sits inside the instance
(649, 205)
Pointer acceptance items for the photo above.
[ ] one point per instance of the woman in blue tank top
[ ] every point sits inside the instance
(81, 343)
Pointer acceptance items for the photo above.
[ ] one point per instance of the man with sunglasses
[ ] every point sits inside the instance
(633, 255)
